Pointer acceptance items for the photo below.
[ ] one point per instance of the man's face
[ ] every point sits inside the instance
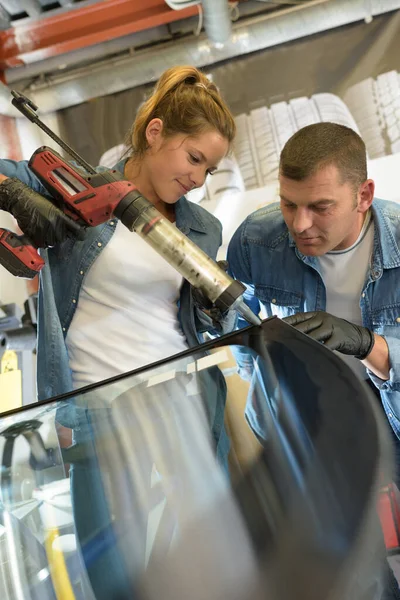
(322, 213)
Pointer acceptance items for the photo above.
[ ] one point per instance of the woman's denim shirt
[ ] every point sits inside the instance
(61, 280)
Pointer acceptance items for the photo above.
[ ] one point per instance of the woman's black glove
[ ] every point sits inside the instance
(40, 220)
(336, 334)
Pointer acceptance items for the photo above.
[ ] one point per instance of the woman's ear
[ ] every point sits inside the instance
(154, 133)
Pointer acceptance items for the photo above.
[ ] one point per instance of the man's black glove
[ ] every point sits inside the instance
(204, 304)
(336, 334)
(40, 220)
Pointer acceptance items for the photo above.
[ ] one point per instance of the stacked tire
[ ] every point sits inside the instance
(375, 105)
(263, 133)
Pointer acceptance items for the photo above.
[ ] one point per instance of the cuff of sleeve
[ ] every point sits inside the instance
(388, 385)
(393, 383)
(229, 323)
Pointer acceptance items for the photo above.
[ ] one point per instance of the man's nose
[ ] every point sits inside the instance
(302, 220)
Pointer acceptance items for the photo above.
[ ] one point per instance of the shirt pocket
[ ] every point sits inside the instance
(276, 301)
(386, 317)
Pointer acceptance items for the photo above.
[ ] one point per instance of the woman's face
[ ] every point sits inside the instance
(179, 164)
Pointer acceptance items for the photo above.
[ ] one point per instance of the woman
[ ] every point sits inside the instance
(111, 277)
(108, 304)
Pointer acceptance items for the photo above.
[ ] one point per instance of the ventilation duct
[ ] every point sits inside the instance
(217, 19)
(251, 35)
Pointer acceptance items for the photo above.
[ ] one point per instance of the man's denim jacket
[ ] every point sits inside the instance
(61, 281)
(263, 256)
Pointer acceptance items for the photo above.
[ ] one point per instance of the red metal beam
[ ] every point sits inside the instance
(81, 27)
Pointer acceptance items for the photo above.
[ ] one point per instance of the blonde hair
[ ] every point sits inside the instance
(188, 103)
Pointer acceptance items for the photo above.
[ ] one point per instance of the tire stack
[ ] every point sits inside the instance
(375, 105)
(262, 134)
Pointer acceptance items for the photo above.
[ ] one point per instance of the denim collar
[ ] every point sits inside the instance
(187, 216)
(384, 238)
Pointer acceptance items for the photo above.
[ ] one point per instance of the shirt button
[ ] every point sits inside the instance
(81, 272)
(63, 328)
(273, 300)
(112, 222)
(73, 301)
(390, 414)
(99, 244)
(363, 295)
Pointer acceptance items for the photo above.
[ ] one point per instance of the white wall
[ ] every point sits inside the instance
(31, 137)
(385, 172)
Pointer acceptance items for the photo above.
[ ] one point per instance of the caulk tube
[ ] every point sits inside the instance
(140, 215)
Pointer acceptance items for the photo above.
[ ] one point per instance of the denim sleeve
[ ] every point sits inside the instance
(240, 268)
(20, 170)
(393, 383)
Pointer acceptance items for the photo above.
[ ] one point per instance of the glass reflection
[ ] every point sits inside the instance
(189, 480)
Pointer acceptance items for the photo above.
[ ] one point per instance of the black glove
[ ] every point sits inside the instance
(204, 304)
(40, 220)
(336, 334)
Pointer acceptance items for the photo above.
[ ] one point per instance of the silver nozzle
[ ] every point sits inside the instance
(247, 313)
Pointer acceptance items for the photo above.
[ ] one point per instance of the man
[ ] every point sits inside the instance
(327, 259)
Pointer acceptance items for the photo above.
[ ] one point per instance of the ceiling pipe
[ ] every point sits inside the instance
(216, 15)
(217, 20)
(250, 35)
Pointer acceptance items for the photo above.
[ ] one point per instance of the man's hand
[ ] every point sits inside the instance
(40, 220)
(336, 334)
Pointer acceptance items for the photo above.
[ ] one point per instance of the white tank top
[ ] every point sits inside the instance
(127, 314)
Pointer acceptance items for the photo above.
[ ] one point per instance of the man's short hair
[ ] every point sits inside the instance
(323, 144)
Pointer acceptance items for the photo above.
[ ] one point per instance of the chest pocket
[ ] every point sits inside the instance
(386, 316)
(275, 301)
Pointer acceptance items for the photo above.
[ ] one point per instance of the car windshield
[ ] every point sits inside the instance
(246, 468)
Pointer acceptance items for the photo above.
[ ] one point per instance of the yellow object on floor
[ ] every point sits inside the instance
(58, 568)
(10, 382)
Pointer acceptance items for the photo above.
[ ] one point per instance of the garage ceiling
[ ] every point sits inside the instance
(16, 10)
(70, 31)
(45, 29)
(65, 55)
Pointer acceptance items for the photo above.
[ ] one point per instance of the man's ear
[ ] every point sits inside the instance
(154, 133)
(366, 195)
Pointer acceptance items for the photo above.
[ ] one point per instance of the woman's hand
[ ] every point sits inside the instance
(39, 219)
